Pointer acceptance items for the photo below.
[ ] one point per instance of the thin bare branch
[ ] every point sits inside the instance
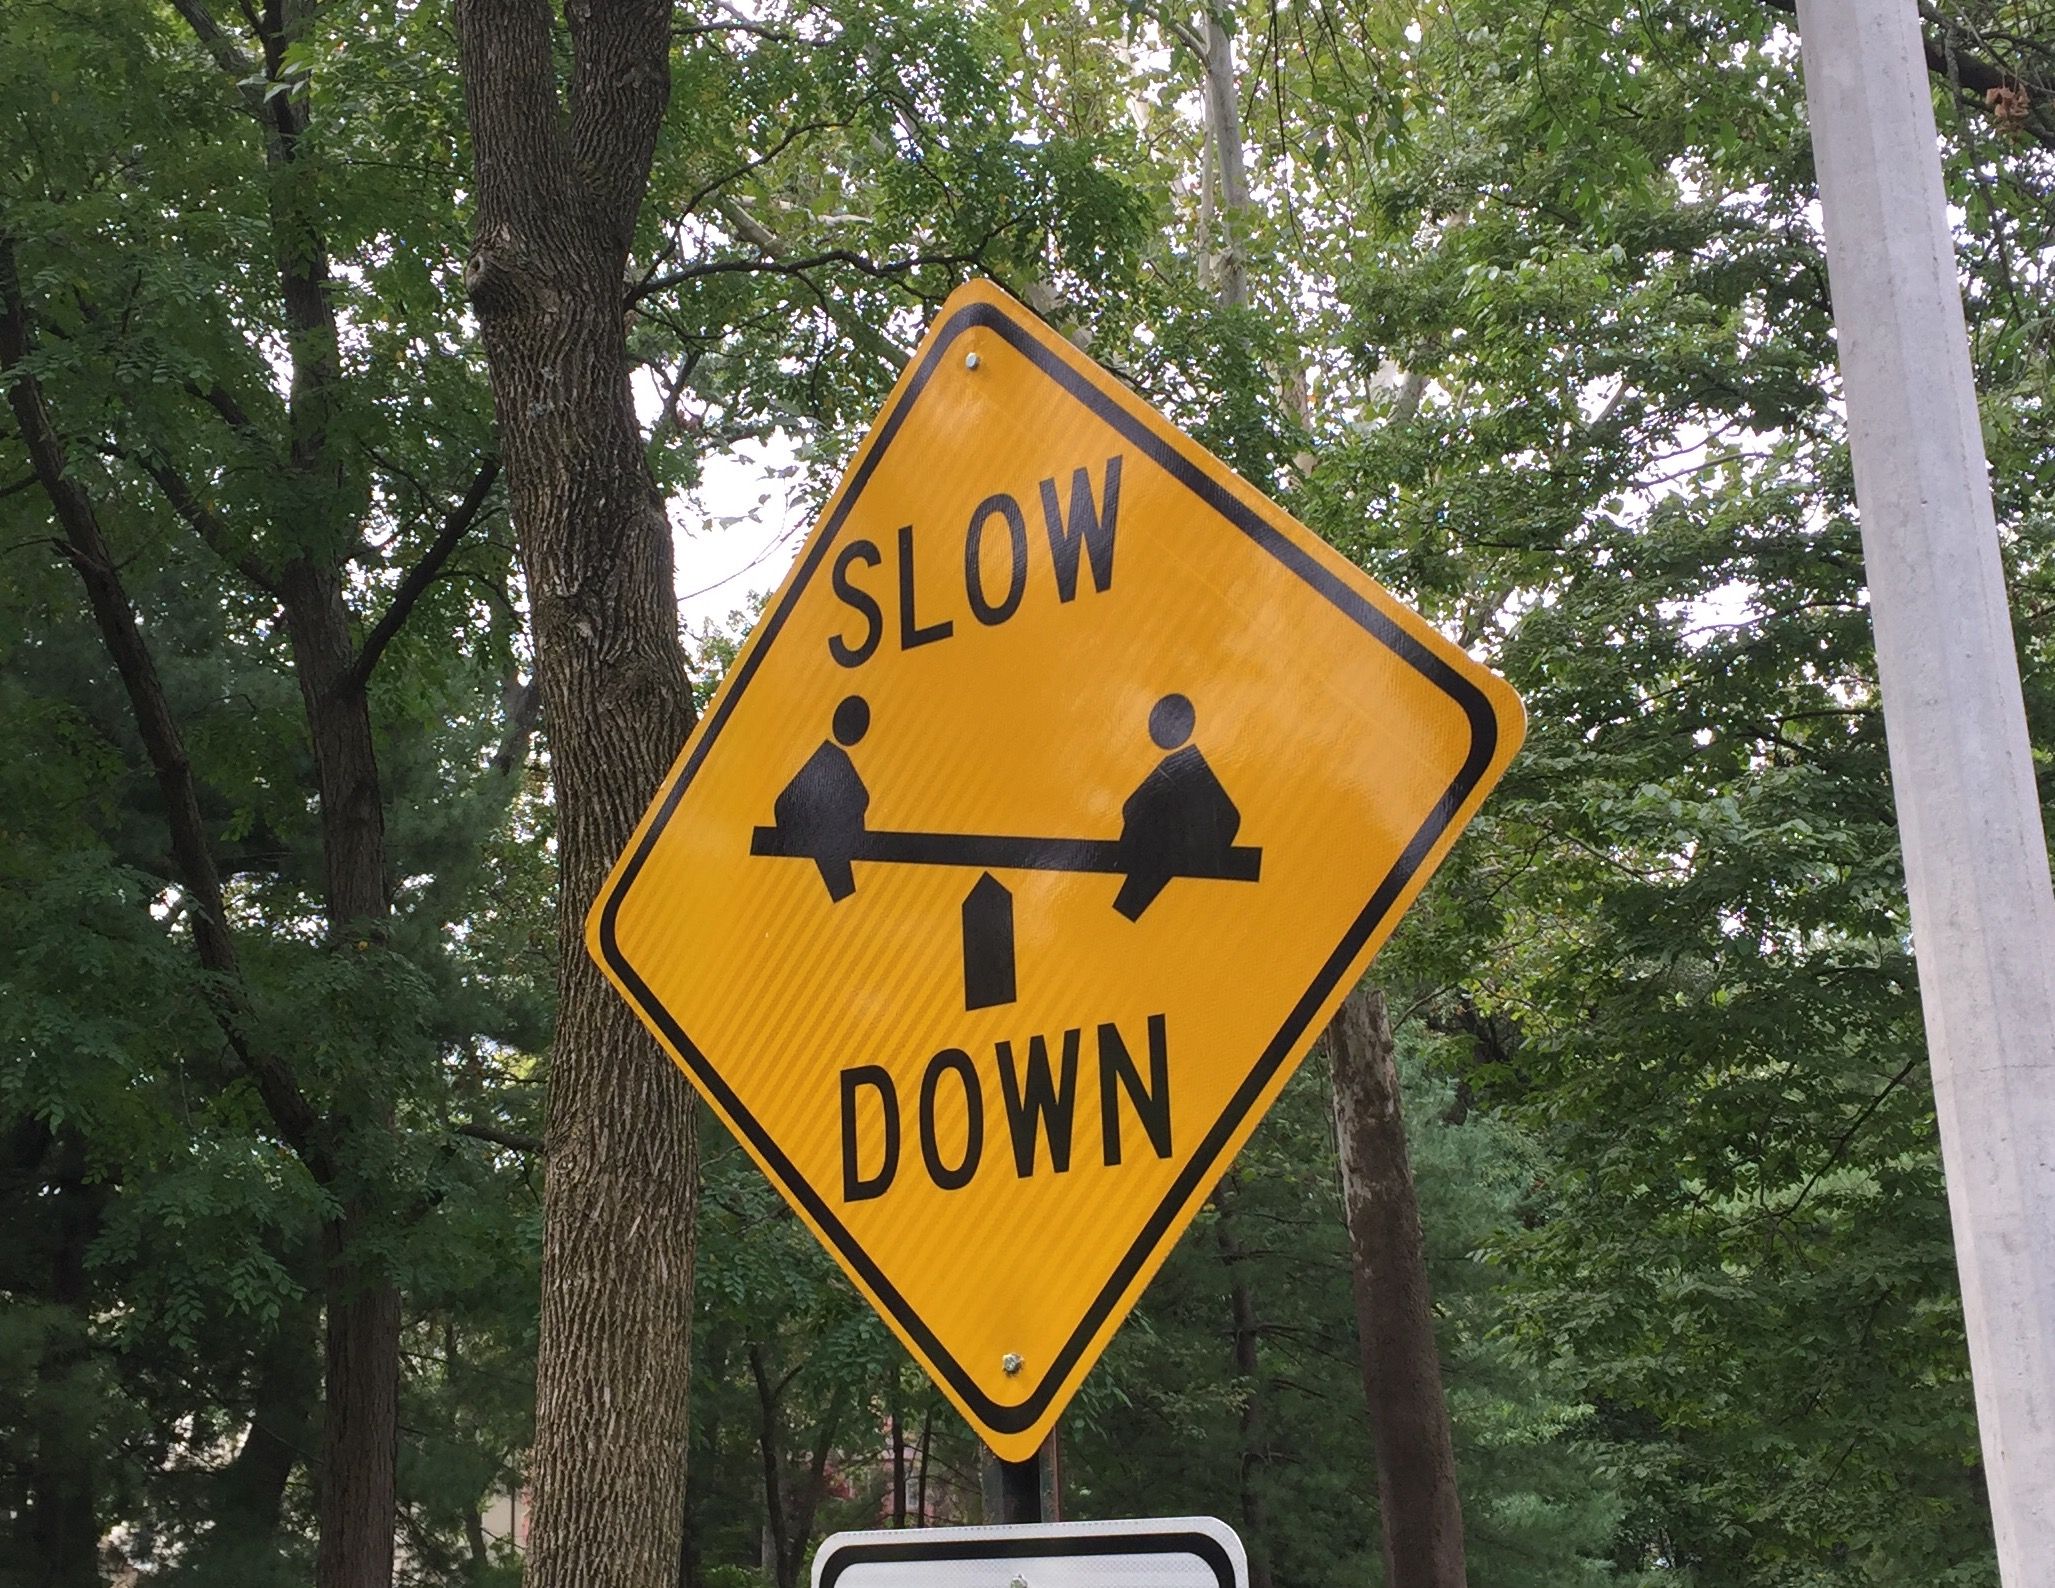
(883, 270)
(756, 162)
(418, 578)
(512, 1140)
(206, 523)
(223, 402)
(762, 30)
(1182, 31)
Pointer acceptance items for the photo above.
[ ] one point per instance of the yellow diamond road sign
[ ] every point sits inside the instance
(1061, 793)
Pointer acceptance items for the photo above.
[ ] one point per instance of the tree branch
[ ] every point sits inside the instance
(881, 270)
(1972, 77)
(206, 523)
(1972, 73)
(1854, 1125)
(418, 578)
(791, 136)
(524, 709)
(670, 418)
(753, 231)
(762, 30)
(512, 1140)
(249, 74)
(1182, 31)
(227, 55)
(223, 402)
(87, 548)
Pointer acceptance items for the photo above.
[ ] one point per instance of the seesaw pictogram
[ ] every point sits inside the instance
(1179, 823)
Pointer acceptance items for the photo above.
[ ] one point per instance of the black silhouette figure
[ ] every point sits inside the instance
(821, 812)
(1180, 822)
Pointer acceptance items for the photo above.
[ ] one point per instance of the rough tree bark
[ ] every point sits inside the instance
(1416, 1465)
(558, 187)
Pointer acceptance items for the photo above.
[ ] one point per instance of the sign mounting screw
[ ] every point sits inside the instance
(970, 361)
(1011, 1363)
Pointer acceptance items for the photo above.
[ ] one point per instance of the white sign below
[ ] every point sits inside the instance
(1159, 1552)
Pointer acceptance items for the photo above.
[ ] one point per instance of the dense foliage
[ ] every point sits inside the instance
(1537, 330)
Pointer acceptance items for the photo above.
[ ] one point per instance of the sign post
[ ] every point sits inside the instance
(1024, 1490)
(1976, 857)
(1060, 795)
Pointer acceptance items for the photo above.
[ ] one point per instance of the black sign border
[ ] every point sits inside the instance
(1484, 735)
(1005, 1544)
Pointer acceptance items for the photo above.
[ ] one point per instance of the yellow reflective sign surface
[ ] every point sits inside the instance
(1061, 793)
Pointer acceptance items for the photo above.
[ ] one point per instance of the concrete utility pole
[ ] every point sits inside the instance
(1976, 858)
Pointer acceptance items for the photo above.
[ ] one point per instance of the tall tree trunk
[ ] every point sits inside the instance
(1227, 273)
(360, 1420)
(357, 1469)
(707, 1435)
(1221, 97)
(776, 1528)
(1409, 1426)
(285, 1398)
(478, 1557)
(63, 1531)
(920, 1492)
(558, 189)
(360, 1425)
(898, 1457)
(805, 1506)
(1254, 1438)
